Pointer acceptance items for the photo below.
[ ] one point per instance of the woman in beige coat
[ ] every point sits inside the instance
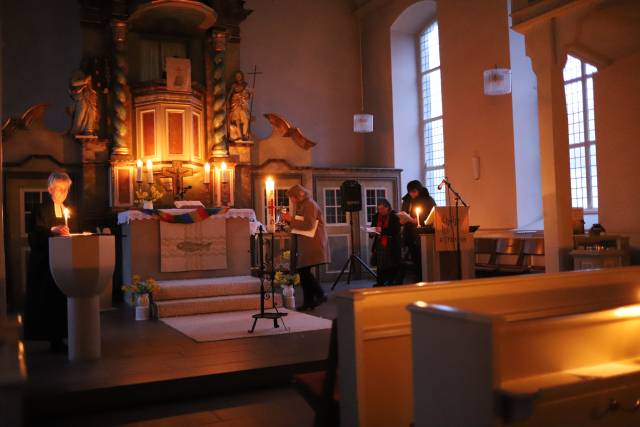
(311, 251)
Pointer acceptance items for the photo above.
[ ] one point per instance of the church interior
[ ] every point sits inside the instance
(320, 213)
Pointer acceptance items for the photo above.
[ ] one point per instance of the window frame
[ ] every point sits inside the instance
(587, 144)
(335, 206)
(367, 205)
(424, 122)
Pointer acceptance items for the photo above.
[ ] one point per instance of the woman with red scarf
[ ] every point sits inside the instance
(386, 249)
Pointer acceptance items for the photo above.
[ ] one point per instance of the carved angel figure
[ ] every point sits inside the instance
(239, 114)
(85, 104)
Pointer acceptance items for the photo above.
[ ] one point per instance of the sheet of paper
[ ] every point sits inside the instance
(404, 217)
(307, 233)
(371, 230)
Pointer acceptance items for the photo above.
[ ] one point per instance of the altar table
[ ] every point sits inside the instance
(141, 245)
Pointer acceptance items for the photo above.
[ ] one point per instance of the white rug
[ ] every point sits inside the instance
(235, 324)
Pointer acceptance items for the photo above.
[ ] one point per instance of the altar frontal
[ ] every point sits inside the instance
(198, 246)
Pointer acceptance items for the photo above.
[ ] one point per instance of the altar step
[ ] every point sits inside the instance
(214, 295)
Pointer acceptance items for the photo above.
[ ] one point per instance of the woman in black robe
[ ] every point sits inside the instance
(46, 305)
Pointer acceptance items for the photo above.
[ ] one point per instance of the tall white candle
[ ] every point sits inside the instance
(207, 172)
(224, 174)
(66, 214)
(149, 171)
(139, 170)
(270, 187)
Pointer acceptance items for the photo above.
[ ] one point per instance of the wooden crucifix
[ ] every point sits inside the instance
(177, 173)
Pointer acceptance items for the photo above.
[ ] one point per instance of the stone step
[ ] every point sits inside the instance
(216, 304)
(208, 287)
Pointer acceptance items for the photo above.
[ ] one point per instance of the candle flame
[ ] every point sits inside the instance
(418, 210)
(223, 166)
(139, 163)
(270, 184)
(66, 213)
(149, 164)
(207, 167)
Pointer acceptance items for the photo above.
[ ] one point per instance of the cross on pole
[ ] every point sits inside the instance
(254, 73)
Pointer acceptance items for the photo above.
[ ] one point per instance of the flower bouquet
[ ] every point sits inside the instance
(287, 281)
(139, 292)
(149, 196)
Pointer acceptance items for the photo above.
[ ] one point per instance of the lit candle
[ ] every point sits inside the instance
(418, 210)
(207, 172)
(149, 171)
(270, 186)
(66, 214)
(224, 176)
(139, 170)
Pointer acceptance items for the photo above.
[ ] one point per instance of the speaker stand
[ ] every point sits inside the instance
(353, 258)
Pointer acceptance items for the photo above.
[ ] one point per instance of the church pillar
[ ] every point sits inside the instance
(216, 94)
(121, 104)
(548, 65)
(3, 282)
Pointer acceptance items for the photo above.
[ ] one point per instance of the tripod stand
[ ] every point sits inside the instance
(353, 258)
(275, 316)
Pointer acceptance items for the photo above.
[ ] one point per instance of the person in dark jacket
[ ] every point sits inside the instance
(387, 244)
(46, 305)
(417, 197)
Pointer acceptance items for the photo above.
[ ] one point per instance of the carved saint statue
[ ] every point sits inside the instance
(239, 114)
(85, 104)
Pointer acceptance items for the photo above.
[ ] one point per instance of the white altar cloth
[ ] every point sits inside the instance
(133, 215)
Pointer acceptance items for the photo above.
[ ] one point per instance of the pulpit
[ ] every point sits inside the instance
(82, 266)
(442, 243)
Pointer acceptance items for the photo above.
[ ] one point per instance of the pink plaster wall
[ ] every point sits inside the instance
(617, 104)
(473, 37)
(309, 53)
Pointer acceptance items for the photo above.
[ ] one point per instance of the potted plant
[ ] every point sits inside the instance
(140, 292)
(287, 281)
(149, 196)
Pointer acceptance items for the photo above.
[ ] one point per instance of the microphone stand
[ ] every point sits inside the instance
(459, 200)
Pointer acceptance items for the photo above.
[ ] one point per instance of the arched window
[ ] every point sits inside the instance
(578, 90)
(433, 135)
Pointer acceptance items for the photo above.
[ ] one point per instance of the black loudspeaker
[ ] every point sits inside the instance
(351, 196)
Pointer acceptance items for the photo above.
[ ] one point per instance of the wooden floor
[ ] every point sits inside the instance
(147, 362)
(273, 407)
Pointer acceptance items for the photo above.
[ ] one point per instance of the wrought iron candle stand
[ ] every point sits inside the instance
(264, 275)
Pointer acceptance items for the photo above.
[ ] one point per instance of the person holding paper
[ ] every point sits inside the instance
(387, 249)
(310, 243)
(46, 305)
(417, 197)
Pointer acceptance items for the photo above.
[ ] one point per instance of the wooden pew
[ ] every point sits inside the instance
(374, 332)
(551, 355)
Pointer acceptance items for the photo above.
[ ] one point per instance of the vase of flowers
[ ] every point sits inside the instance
(287, 281)
(149, 196)
(140, 293)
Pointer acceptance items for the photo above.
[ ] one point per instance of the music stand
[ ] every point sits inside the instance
(353, 258)
(459, 200)
(275, 316)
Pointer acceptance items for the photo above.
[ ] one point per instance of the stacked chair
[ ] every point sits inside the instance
(508, 256)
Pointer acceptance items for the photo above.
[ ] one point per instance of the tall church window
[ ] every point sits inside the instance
(578, 89)
(433, 135)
